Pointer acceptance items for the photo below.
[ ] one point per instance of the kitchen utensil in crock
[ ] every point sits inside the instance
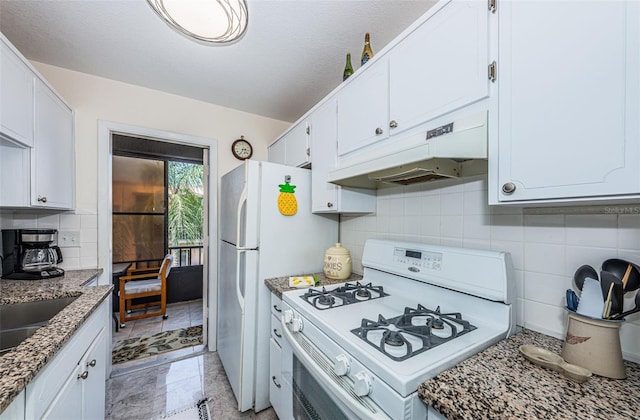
(619, 268)
(632, 311)
(591, 302)
(572, 300)
(606, 280)
(594, 344)
(607, 302)
(550, 360)
(582, 273)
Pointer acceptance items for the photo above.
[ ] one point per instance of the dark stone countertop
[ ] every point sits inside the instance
(278, 285)
(20, 365)
(499, 383)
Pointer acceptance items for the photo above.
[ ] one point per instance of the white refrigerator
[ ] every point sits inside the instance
(258, 242)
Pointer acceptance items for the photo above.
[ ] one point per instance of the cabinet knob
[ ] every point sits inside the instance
(273, 378)
(379, 131)
(92, 363)
(508, 188)
(393, 124)
(83, 375)
(42, 199)
(329, 204)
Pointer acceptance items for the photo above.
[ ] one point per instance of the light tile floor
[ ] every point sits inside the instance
(156, 386)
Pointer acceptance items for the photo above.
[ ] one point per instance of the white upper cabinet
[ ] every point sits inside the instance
(327, 197)
(292, 148)
(438, 67)
(52, 159)
(569, 102)
(363, 109)
(16, 98)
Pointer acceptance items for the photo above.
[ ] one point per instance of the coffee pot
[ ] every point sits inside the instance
(30, 254)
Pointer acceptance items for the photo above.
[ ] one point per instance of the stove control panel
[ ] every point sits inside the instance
(418, 259)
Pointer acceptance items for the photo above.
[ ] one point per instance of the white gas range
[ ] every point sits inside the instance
(359, 350)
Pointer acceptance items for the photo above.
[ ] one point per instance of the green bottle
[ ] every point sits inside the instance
(348, 69)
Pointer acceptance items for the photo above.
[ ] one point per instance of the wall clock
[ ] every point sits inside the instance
(242, 149)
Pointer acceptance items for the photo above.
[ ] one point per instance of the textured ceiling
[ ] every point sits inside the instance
(292, 55)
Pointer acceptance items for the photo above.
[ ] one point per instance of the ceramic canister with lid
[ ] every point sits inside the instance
(337, 262)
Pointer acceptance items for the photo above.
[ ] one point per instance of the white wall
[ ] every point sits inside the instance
(546, 249)
(94, 98)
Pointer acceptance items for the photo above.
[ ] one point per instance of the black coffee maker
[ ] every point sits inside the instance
(30, 254)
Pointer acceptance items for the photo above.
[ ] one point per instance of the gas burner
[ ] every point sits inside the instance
(325, 300)
(342, 295)
(363, 294)
(415, 331)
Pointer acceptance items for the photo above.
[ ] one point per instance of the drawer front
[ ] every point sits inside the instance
(276, 305)
(276, 329)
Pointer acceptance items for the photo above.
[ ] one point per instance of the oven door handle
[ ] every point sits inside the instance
(320, 375)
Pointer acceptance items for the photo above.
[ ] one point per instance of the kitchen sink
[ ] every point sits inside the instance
(20, 321)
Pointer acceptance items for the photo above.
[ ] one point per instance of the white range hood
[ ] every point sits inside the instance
(452, 150)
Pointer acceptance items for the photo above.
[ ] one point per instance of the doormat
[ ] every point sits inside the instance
(200, 411)
(151, 345)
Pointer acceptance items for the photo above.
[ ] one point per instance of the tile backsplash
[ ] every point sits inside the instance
(546, 247)
(84, 253)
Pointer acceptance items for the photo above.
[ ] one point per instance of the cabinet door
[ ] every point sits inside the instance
(94, 386)
(15, 176)
(441, 66)
(53, 160)
(16, 97)
(363, 109)
(324, 195)
(67, 404)
(275, 373)
(297, 145)
(277, 152)
(569, 100)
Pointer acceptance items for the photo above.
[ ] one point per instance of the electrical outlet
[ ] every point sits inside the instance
(69, 238)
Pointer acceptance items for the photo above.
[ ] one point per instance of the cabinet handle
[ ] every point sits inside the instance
(308, 151)
(508, 188)
(84, 375)
(329, 204)
(273, 378)
(42, 199)
(393, 124)
(277, 308)
(379, 131)
(92, 363)
(276, 333)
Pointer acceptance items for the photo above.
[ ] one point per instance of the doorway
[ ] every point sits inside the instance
(206, 256)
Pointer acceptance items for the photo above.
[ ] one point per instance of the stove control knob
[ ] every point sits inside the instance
(362, 384)
(287, 316)
(342, 365)
(296, 324)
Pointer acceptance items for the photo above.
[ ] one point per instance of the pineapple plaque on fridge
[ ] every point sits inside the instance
(287, 203)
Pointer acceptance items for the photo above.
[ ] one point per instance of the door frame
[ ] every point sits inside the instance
(210, 228)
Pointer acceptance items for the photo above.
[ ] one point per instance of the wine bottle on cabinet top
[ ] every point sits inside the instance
(367, 53)
(348, 69)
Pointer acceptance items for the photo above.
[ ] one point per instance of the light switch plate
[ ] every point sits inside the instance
(69, 239)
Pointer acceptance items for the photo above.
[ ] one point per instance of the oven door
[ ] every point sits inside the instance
(310, 388)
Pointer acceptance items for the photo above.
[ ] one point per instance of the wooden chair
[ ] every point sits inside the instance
(135, 286)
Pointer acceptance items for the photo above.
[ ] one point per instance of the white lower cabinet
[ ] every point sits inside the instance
(275, 356)
(73, 384)
(15, 409)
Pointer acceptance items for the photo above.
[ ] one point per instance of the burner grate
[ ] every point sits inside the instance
(347, 294)
(415, 331)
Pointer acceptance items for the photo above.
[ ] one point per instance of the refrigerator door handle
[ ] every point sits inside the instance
(239, 221)
(238, 291)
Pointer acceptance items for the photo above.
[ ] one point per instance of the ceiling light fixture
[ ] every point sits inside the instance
(208, 21)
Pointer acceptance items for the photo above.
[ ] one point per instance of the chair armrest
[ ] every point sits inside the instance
(139, 270)
(139, 276)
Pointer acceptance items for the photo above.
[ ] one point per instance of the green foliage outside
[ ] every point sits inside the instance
(185, 203)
